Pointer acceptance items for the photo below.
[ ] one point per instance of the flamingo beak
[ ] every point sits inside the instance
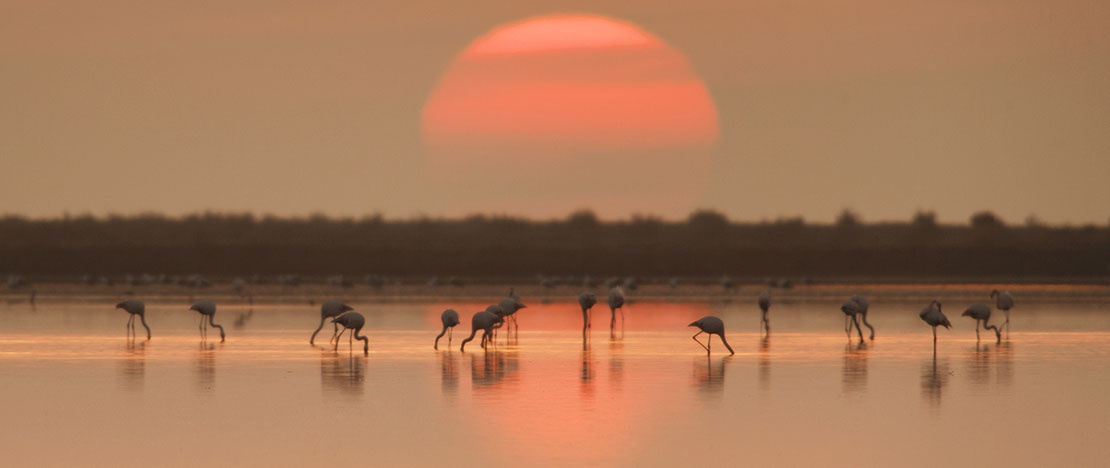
(693, 324)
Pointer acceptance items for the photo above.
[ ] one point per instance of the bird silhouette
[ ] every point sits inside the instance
(352, 321)
(586, 300)
(765, 305)
(713, 326)
(851, 310)
(330, 309)
(616, 301)
(134, 307)
(982, 313)
(1004, 302)
(728, 284)
(863, 304)
(509, 306)
(933, 316)
(450, 318)
(484, 321)
(207, 309)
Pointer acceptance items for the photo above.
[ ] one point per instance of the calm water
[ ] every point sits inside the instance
(76, 392)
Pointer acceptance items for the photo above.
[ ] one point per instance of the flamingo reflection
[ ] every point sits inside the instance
(204, 368)
(765, 363)
(343, 373)
(132, 366)
(491, 368)
(449, 372)
(934, 377)
(709, 375)
(854, 373)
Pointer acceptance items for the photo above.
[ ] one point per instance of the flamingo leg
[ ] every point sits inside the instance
(709, 345)
(695, 337)
(976, 330)
(848, 325)
(336, 348)
(858, 329)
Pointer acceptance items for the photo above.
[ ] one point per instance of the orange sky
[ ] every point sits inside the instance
(296, 107)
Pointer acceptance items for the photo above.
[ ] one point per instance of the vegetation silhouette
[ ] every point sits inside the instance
(705, 245)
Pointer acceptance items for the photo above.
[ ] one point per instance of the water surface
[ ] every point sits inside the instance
(77, 392)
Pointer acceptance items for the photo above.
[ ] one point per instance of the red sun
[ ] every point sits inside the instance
(554, 113)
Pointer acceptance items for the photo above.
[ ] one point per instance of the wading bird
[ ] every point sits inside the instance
(352, 321)
(713, 326)
(863, 304)
(484, 321)
(134, 307)
(586, 300)
(933, 316)
(450, 318)
(509, 306)
(330, 309)
(207, 308)
(1004, 302)
(982, 312)
(851, 309)
(616, 301)
(765, 305)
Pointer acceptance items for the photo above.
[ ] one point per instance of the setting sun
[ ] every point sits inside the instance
(571, 92)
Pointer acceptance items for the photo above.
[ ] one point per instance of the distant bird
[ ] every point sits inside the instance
(713, 326)
(1004, 302)
(329, 309)
(484, 321)
(510, 305)
(851, 309)
(352, 321)
(586, 300)
(673, 282)
(450, 318)
(616, 301)
(632, 283)
(134, 307)
(863, 304)
(765, 305)
(207, 308)
(728, 284)
(982, 312)
(933, 316)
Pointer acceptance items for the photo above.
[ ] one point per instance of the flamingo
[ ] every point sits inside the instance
(586, 300)
(863, 304)
(765, 305)
(982, 312)
(509, 306)
(933, 316)
(485, 321)
(616, 301)
(728, 284)
(1003, 301)
(450, 318)
(851, 309)
(134, 307)
(329, 309)
(352, 321)
(207, 308)
(713, 326)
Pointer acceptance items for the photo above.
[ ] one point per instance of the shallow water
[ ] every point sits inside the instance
(77, 392)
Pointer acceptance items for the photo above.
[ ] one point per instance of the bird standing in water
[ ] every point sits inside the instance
(765, 305)
(863, 305)
(134, 307)
(713, 326)
(586, 301)
(207, 309)
(933, 316)
(484, 321)
(329, 309)
(1004, 302)
(851, 310)
(982, 312)
(450, 318)
(616, 301)
(352, 321)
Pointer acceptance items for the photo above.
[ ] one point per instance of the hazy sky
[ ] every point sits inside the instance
(292, 107)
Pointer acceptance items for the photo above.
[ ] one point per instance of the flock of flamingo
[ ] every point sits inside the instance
(504, 312)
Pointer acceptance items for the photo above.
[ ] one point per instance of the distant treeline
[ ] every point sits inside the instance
(705, 244)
